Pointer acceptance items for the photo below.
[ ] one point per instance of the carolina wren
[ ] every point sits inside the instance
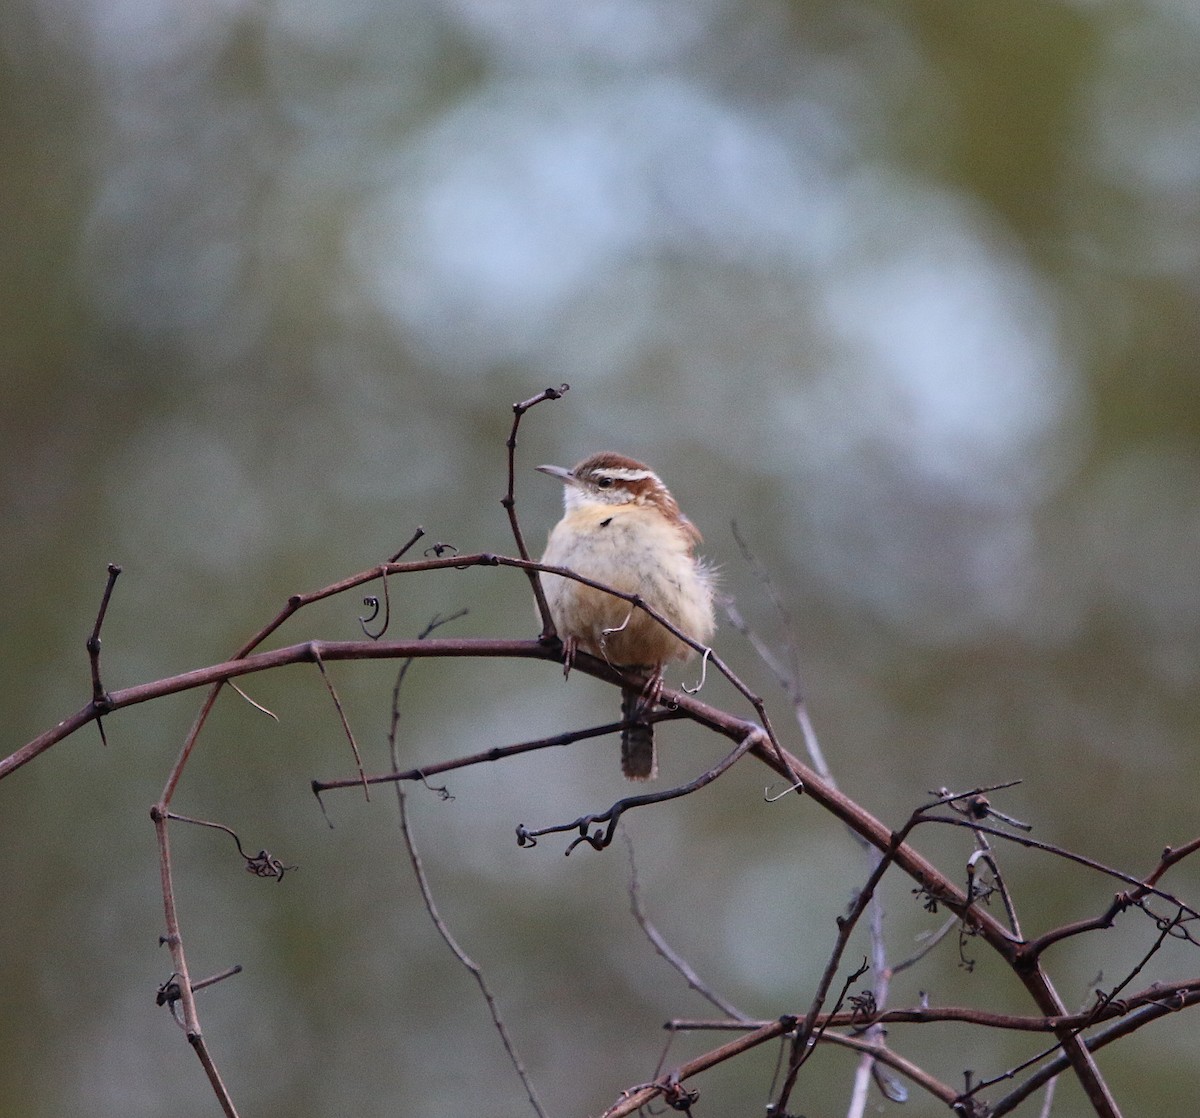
(623, 528)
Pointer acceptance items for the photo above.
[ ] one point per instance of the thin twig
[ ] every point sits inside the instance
(337, 702)
(418, 533)
(498, 752)
(99, 697)
(665, 949)
(510, 503)
(245, 660)
(1131, 1022)
(1141, 888)
(170, 992)
(931, 941)
(431, 908)
(600, 839)
(929, 879)
(93, 641)
(789, 680)
(1174, 995)
(802, 1045)
(884, 1055)
(804, 1040)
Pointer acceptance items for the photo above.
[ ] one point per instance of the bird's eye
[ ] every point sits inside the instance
(604, 483)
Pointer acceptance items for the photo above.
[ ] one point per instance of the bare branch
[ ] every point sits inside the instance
(890, 850)
(1173, 995)
(1140, 888)
(1126, 1025)
(174, 941)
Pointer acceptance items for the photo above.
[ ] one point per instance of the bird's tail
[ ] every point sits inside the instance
(637, 741)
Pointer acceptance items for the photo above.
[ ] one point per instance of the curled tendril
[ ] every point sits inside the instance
(797, 787)
(595, 840)
(703, 673)
(438, 550)
(372, 603)
(442, 792)
(169, 992)
(262, 864)
(524, 838)
(863, 1005)
(678, 1097)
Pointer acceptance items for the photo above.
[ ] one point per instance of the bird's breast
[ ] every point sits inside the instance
(637, 551)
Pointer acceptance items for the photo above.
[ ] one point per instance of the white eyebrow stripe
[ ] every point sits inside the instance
(626, 475)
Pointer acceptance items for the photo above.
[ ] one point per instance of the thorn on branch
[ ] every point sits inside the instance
(317, 788)
(256, 706)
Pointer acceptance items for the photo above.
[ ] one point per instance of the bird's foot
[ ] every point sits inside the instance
(651, 693)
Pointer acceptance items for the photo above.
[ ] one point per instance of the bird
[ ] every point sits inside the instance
(621, 527)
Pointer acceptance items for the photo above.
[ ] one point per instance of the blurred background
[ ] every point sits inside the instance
(908, 290)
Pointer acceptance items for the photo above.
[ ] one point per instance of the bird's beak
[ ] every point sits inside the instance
(563, 475)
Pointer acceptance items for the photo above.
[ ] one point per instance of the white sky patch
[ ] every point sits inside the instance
(956, 341)
(549, 33)
(515, 205)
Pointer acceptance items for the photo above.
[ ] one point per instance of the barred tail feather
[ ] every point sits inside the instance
(637, 742)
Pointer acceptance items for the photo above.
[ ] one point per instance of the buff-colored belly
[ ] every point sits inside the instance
(632, 550)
